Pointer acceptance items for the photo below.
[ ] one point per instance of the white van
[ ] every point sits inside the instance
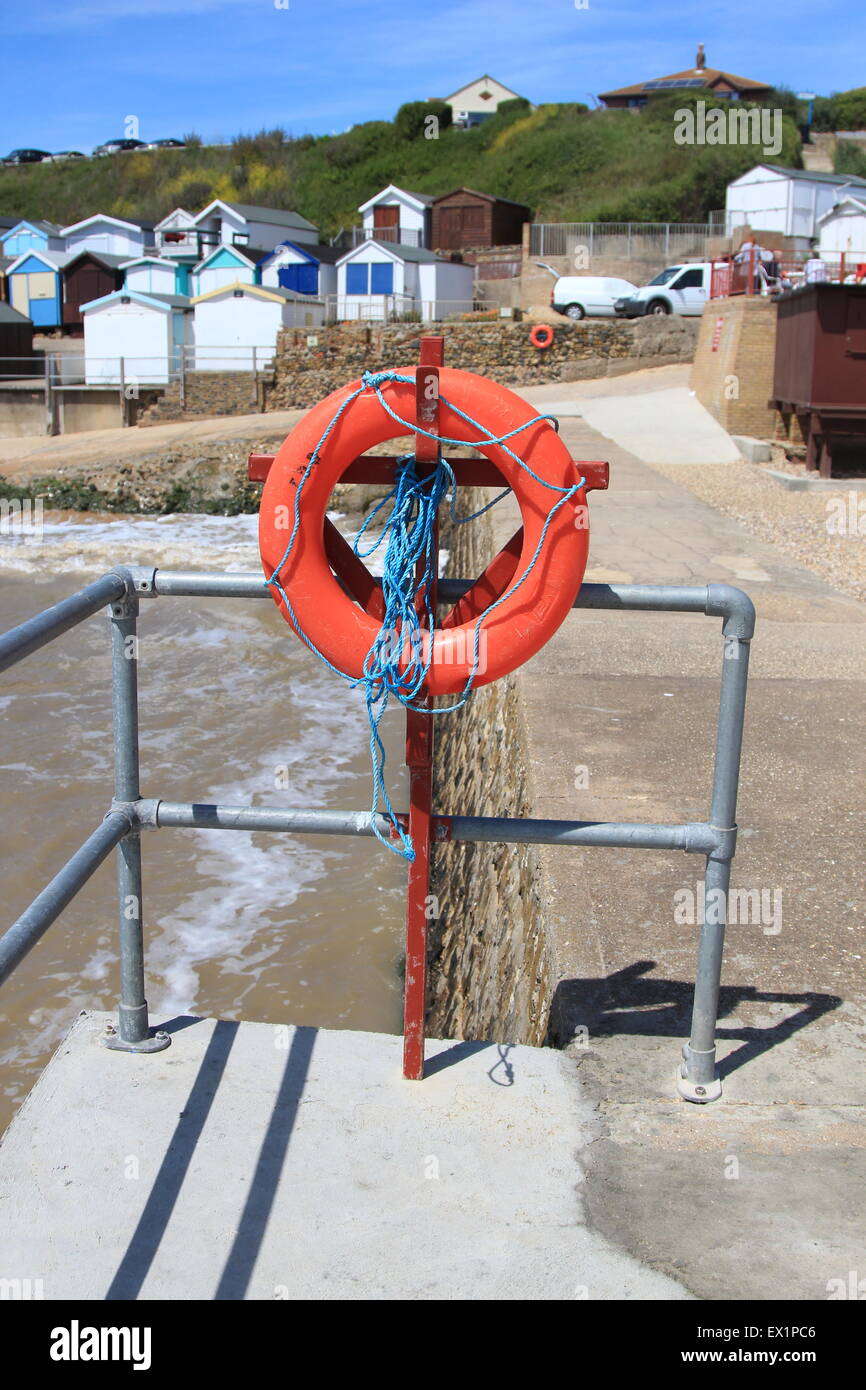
(582, 296)
(678, 289)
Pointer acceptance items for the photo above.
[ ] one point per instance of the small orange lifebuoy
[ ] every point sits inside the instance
(342, 630)
(541, 335)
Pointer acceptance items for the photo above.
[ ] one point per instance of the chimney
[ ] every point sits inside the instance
(701, 61)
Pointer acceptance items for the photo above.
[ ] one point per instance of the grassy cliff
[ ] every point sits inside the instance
(566, 163)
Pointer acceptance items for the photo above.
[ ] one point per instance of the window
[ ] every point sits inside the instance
(382, 278)
(690, 280)
(357, 279)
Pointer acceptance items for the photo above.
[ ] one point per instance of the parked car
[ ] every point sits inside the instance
(166, 144)
(119, 146)
(61, 155)
(582, 296)
(26, 157)
(678, 289)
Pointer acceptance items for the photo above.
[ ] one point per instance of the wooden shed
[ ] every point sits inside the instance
(16, 335)
(92, 275)
(465, 219)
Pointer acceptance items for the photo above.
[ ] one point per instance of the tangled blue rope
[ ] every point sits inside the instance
(405, 638)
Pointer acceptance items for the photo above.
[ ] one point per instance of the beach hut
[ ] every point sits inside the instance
(304, 269)
(156, 275)
(29, 235)
(135, 338)
(113, 235)
(176, 236)
(398, 216)
(35, 288)
(379, 281)
(242, 224)
(225, 265)
(236, 326)
(86, 276)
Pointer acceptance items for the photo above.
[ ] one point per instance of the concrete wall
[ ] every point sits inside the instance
(732, 374)
(309, 366)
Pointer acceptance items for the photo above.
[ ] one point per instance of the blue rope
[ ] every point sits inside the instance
(406, 634)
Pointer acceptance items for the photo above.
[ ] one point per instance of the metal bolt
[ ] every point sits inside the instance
(700, 1090)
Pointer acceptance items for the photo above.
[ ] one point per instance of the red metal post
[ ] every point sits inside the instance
(419, 760)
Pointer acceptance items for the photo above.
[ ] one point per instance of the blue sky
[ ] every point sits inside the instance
(73, 72)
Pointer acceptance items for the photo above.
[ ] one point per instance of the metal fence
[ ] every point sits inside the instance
(129, 813)
(398, 308)
(670, 240)
(401, 236)
(61, 371)
(753, 273)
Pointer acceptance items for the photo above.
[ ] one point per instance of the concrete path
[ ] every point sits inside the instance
(760, 1195)
(262, 1162)
(652, 413)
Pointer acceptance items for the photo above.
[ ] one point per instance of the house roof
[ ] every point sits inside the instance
(859, 204)
(190, 216)
(422, 199)
(276, 217)
(164, 302)
(689, 77)
(810, 176)
(485, 77)
(323, 255)
(488, 197)
(170, 264)
(106, 258)
(400, 253)
(55, 260)
(257, 292)
(10, 315)
(36, 224)
(106, 217)
(230, 250)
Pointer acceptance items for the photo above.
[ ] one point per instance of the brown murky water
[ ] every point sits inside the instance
(238, 925)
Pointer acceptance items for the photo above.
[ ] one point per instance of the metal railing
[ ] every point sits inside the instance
(396, 308)
(754, 272)
(401, 236)
(668, 239)
(129, 813)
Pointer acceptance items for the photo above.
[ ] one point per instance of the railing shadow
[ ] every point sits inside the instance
(153, 1222)
(626, 1003)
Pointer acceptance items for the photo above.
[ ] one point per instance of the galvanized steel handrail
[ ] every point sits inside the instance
(130, 813)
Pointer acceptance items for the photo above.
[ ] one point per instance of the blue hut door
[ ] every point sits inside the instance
(302, 278)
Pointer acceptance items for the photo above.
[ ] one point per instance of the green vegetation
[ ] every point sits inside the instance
(72, 494)
(850, 159)
(842, 111)
(565, 162)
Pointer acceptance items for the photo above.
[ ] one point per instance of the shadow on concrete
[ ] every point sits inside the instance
(153, 1222)
(241, 1260)
(627, 1003)
(459, 1052)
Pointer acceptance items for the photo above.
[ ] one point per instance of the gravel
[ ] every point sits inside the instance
(795, 522)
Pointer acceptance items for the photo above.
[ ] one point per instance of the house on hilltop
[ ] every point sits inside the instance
(478, 101)
(725, 86)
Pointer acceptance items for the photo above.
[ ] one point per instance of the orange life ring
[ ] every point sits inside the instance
(342, 630)
(541, 335)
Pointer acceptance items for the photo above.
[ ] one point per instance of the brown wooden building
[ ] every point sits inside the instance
(16, 335)
(465, 219)
(89, 276)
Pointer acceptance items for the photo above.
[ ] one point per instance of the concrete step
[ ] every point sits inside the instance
(250, 1160)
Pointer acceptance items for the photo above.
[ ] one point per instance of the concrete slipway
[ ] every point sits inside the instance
(253, 1161)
